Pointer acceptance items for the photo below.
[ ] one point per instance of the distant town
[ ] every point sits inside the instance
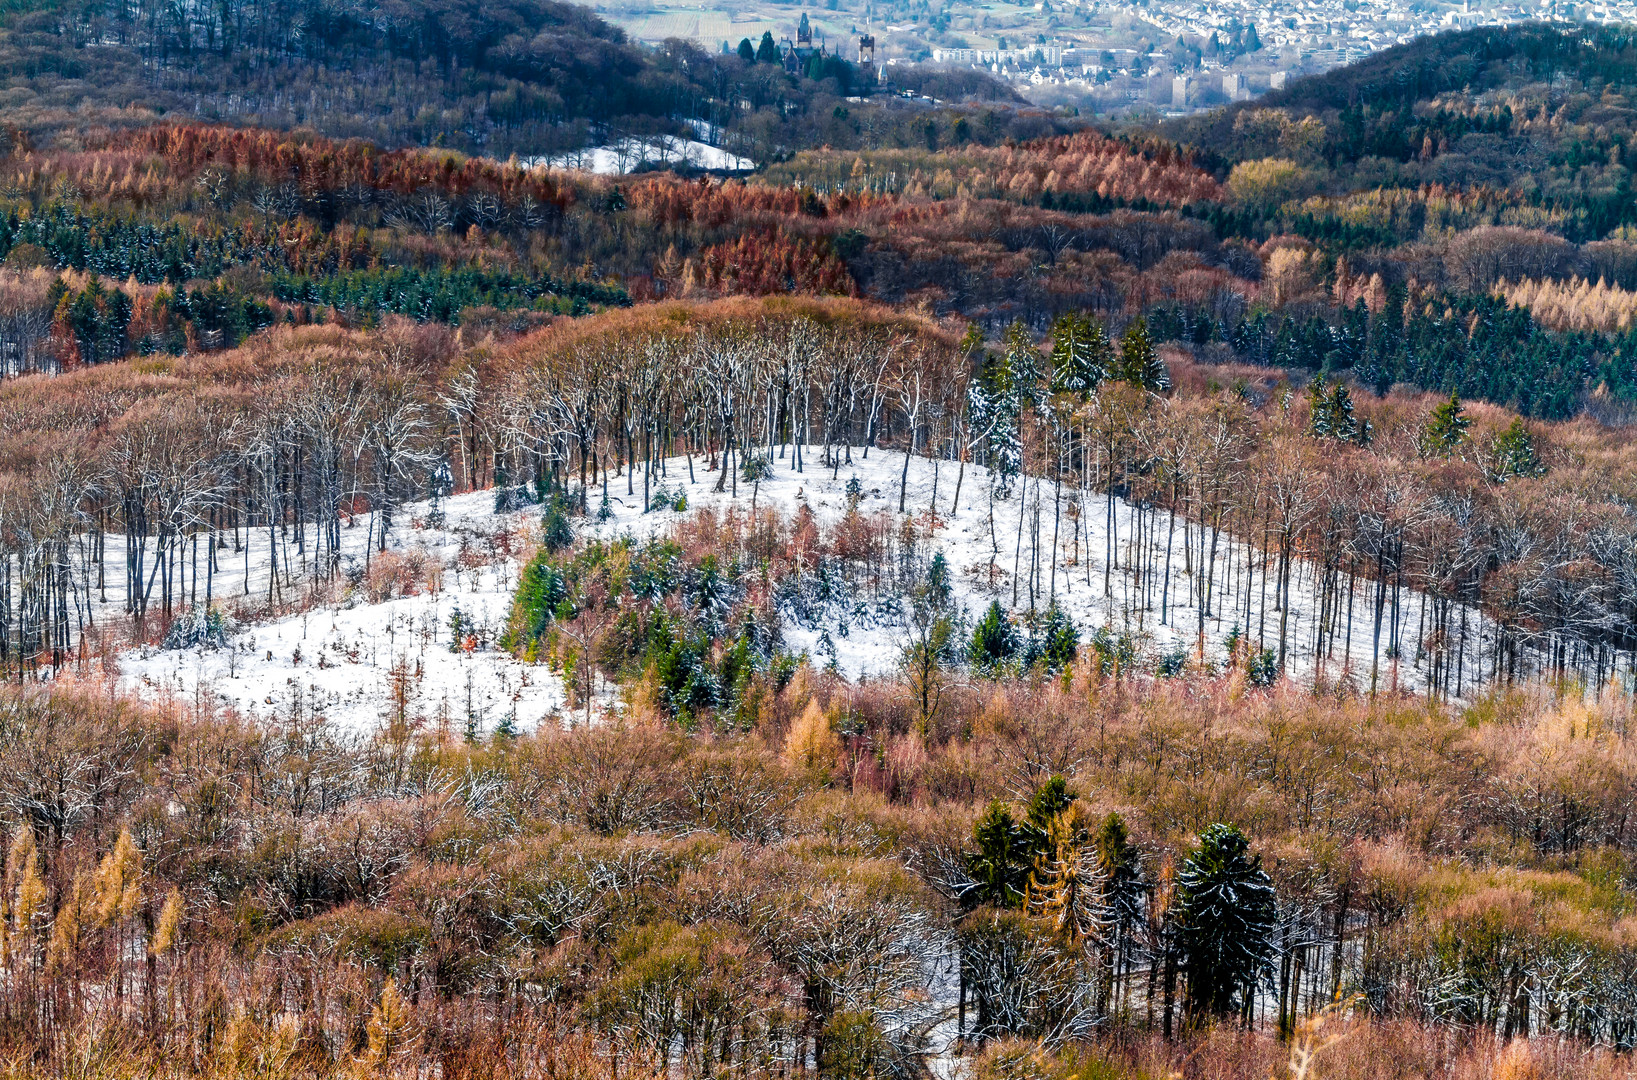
(1159, 56)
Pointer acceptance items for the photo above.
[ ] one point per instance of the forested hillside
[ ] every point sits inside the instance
(1023, 840)
(1532, 120)
(526, 77)
(1480, 95)
(981, 597)
(1505, 545)
(297, 229)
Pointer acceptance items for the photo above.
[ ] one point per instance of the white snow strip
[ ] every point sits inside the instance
(631, 154)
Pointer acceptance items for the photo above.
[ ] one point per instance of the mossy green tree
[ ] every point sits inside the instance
(851, 1046)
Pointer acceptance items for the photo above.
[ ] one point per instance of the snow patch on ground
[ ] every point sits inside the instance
(630, 155)
(337, 660)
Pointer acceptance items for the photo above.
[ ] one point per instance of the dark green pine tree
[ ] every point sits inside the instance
(1287, 344)
(747, 51)
(997, 397)
(556, 532)
(1121, 864)
(1384, 338)
(1052, 798)
(1138, 363)
(1226, 910)
(1446, 428)
(767, 52)
(1054, 641)
(1021, 371)
(994, 640)
(1005, 849)
(1353, 335)
(999, 868)
(939, 590)
(1331, 411)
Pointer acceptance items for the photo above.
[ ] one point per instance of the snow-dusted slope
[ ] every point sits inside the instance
(991, 561)
(337, 659)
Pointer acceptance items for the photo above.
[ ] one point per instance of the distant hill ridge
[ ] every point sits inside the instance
(531, 77)
(1372, 102)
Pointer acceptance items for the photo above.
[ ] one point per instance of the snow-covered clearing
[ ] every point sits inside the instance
(1160, 611)
(337, 657)
(631, 154)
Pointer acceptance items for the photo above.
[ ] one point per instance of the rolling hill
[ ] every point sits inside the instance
(531, 77)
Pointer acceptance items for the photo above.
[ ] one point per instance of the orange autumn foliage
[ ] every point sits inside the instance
(774, 262)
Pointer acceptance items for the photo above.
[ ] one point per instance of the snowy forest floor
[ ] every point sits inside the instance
(1110, 571)
(360, 654)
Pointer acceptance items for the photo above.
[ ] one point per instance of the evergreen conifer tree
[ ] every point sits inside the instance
(1512, 454)
(996, 398)
(994, 640)
(1226, 911)
(1121, 865)
(1138, 363)
(1446, 429)
(1000, 866)
(1081, 355)
(1051, 799)
(1066, 887)
(1054, 640)
(938, 587)
(1119, 868)
(1331, 412)
(556, 532)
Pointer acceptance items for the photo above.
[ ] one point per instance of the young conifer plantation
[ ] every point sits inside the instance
(983, 596)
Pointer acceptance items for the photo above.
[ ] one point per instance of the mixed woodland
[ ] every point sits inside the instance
(532, 78)
(1372, 335)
